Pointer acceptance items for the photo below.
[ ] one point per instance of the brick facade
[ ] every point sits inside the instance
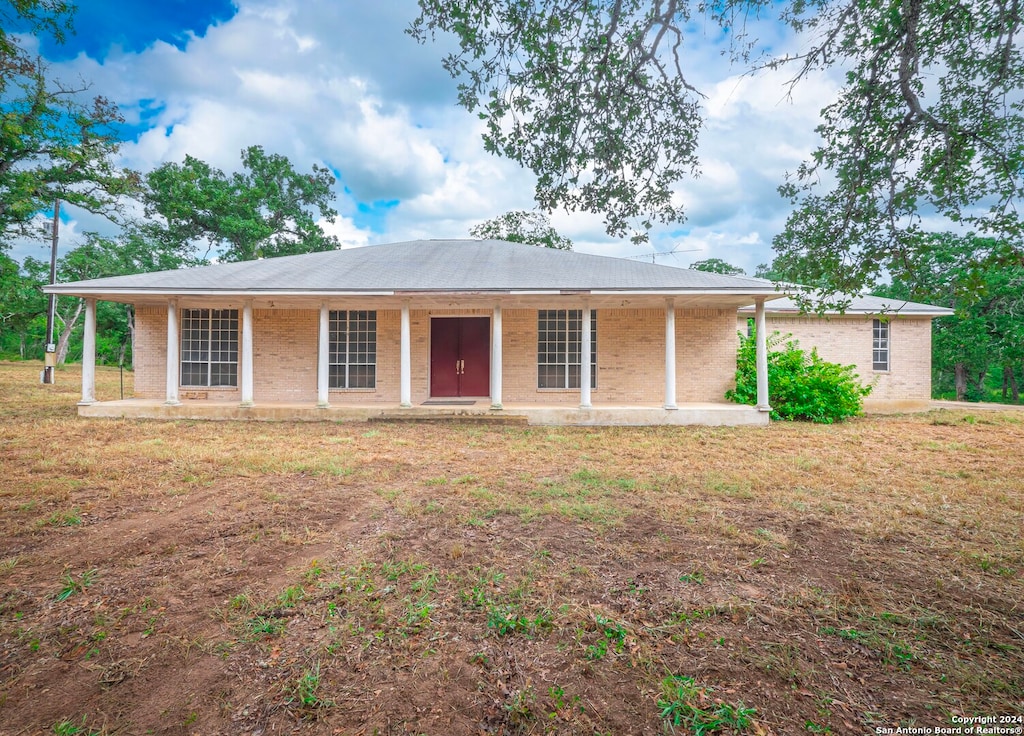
(630, 357)
(848, 340)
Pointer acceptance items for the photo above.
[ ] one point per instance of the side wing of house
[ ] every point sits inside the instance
(893, 355)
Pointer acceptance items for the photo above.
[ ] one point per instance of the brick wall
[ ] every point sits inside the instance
(631, 357)
(848, 340)
(706, 347)
(150, 352)
(284, 354)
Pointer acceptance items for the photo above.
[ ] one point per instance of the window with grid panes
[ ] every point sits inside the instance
(209, 347)
(879, 345)
(353, 349)
(559, 346)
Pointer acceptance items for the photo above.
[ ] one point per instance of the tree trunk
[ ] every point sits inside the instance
(1009, 377)
(960, 381)
(64, 342)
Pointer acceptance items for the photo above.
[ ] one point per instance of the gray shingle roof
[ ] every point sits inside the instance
(861, 304)
(427, 265)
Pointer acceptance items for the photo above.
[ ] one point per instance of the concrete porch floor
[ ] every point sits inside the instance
(536, 414)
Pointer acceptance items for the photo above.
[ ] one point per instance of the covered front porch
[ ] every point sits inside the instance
(636, 335)
(708, 414)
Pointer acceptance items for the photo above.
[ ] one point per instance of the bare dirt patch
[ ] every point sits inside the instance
(230, 578)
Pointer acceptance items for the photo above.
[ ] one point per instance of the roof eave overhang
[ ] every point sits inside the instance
(896, 312)
(108, 292)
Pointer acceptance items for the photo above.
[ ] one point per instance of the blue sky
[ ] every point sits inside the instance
(341, 84)
(100, 25)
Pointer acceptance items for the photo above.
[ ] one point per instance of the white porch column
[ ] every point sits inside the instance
(405, 378)
(670, 354)
(323, 368)
(247, 377)
(496, 359)
(761, 356)
(172, 353)
(585, 359)
(89, 354)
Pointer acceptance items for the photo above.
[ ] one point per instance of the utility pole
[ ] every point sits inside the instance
(50, 357)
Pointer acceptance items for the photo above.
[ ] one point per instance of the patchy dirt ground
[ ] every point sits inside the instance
(205, 578)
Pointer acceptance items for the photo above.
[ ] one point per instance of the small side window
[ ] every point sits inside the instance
(879, 345)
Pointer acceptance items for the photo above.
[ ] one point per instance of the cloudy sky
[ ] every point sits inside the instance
(339, 83)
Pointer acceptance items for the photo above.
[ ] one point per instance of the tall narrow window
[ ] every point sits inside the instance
(560, 345)
(209, 347)
(879, 345)
(353, 349)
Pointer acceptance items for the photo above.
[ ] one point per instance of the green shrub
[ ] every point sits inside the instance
(800, 385)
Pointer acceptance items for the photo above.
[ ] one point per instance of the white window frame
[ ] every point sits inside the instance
(562, 347)
(881, 340)
(209, 339)
(352, 352)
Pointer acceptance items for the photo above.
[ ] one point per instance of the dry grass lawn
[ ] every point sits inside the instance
(391, 578)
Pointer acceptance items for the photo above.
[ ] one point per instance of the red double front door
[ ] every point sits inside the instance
(460, 356)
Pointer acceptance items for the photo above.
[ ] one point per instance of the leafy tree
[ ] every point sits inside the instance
(931, 120)
(717, 265)
(581, 95)
(987, 330)
(21, 302)
(54, 146)
(266, 210)
(520, 226)
(55, 143)
(83, 262)
(800, 385)
(594, 99)
(33, 17)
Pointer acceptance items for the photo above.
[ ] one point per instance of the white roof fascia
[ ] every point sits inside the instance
(689, 292)
(55, 289)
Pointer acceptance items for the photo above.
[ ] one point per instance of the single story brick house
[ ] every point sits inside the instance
(888, 341)
(432, 328)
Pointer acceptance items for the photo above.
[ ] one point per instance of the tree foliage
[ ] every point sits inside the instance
(32, 17)
(717, 265)
(55, 141)
(594, 99)
(521, 226)
(930, 123)
(268, 209)
(21, 302)
(987, 330)
(55, 145)
(801, 386)
(583, 95)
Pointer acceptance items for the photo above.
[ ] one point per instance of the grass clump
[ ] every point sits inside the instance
(306, 692)
(685, 703)
(73, 585)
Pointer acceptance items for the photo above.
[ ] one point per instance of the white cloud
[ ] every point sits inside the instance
(345, 230)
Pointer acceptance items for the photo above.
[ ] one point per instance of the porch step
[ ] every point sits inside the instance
(449, 417)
